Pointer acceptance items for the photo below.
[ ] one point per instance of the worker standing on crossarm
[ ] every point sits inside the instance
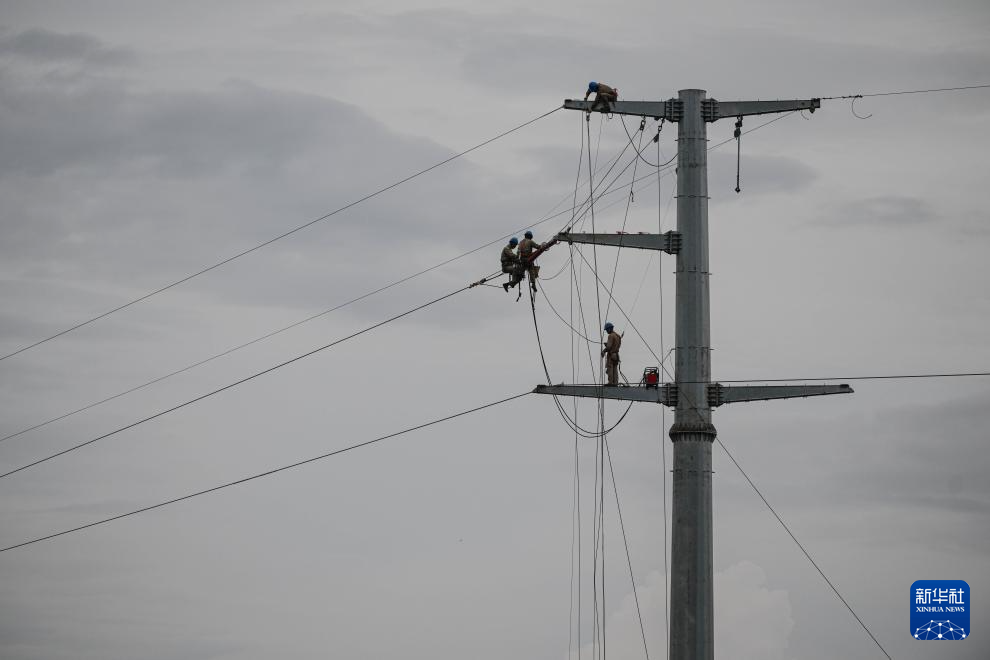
(611, 354)
(511, 264)
(526, 248)
(603, 95)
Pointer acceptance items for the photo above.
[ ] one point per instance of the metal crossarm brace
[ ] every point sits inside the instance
(714, 110)
(669, 242)
(671, 109)
(665, 394)
(720, 394)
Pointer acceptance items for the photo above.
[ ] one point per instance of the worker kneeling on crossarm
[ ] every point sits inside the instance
(603, 95)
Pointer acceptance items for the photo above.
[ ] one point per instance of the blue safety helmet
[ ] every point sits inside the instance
(513, 241)
(608, 327)
(592, 86)
(528, 234)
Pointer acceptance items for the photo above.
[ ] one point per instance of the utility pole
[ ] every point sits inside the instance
(692, 394)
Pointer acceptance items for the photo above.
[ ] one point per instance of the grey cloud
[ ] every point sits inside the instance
(423, 25)
(535, 52)
(162, 163)
(563, 63)
(758, 174)
(884, 211)
(923, 458)
(835, 67)
(527, 48)
(46, 46)
(184, 134)
(939, 435)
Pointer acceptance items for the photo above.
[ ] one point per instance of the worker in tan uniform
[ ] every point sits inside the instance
(611, 354)
(526, 248)
(511, 264)
(603, 95)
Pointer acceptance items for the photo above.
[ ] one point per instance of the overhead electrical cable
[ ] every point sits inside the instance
(629, 200)
(755, 128)
(381, 289)
(576, 507)
(600, 455)
(280, 236)
(266, 473)
(625, 543)
(570, 324)
(799, 545)
(662, 216)
(594, 270)
(574, 331)
(573, 424)
(234, 384)
(911, 91)
(752, 484)
(390, 187)
(87, 407)
(694, 407)
(621, 311)
(656, 139)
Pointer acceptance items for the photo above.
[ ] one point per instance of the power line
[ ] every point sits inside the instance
(265, 474)
(161, 413)
(277, 238)
(625, 543)
(394, 185)
(232, 385)
(633, 326)
(550, 216)
(757, 490)
(798, 543)
(662, 216)
(755, 128)
(912, 91)
(629, 320)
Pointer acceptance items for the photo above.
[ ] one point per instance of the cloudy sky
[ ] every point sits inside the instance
(141, 142)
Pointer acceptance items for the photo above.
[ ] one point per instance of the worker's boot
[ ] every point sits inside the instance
(506, 287)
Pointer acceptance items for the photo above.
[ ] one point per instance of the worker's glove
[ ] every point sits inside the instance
(604, 351)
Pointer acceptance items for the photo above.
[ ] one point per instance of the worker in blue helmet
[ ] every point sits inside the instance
(604, 95)
(611, 354)
(511, 264)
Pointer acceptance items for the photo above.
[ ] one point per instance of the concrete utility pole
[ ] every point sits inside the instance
(692, 393)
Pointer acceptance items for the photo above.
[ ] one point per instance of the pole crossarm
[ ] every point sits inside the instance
(715, 110)
(669, 242)
(671, 109)
(712, 109)
(665, 394)
(720, 394)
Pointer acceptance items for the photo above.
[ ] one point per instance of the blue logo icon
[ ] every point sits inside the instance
(940, 609)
